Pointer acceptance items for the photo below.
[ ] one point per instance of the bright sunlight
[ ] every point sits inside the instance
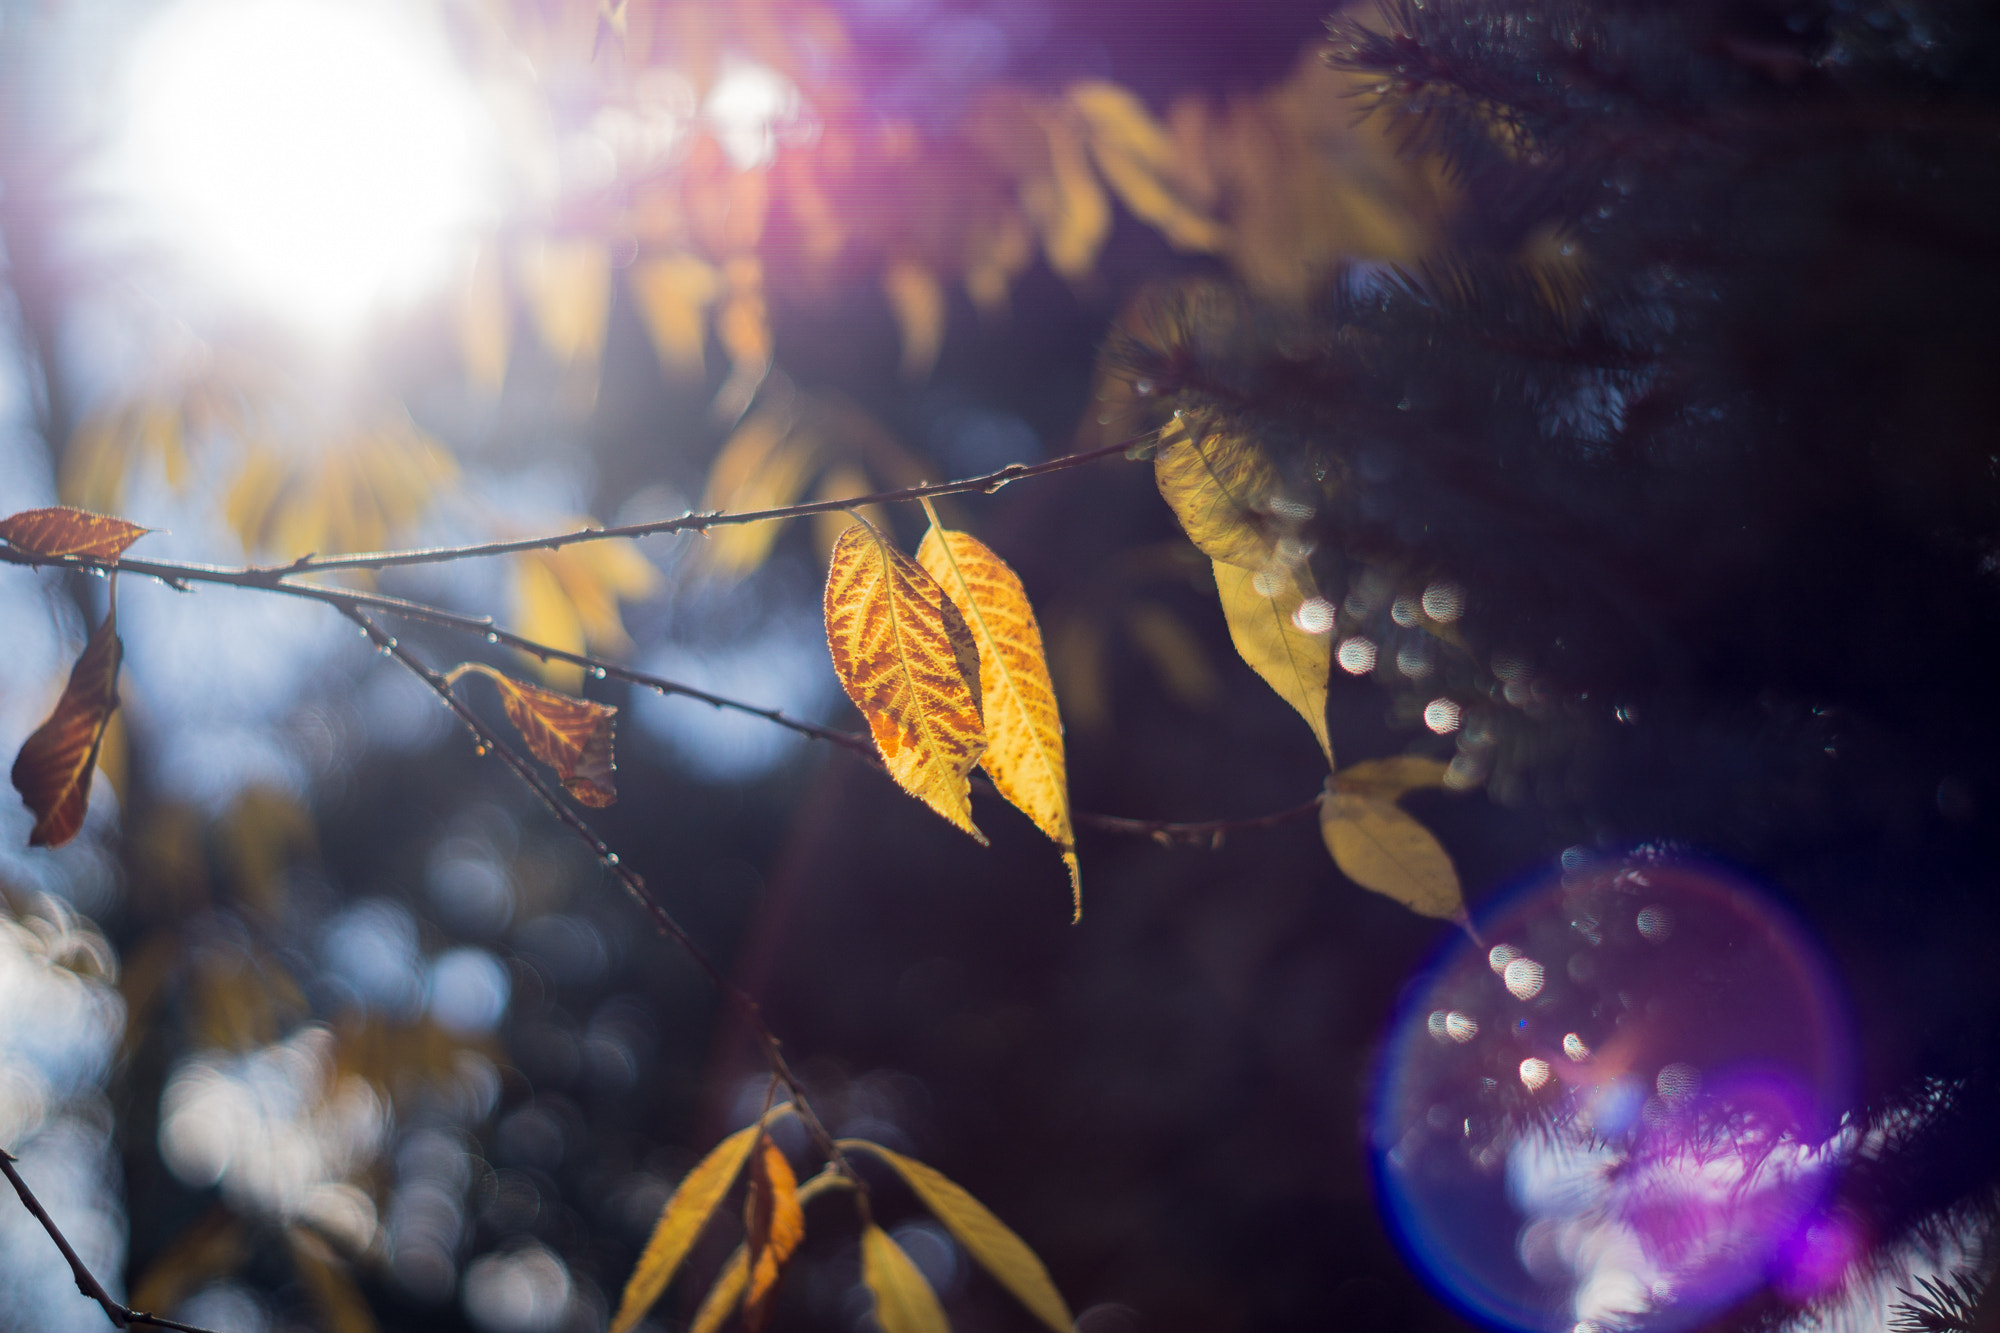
(320, 160)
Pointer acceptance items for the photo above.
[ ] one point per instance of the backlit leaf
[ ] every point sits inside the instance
(775, 1225)
(63, 531)
(52, 771)
(1067, 206)
(1381, 847)
(572, 736)
(568, 598)
(568, 285)
(985, 1237)
(1024, 734)
(904, 1302)
(674, 293)
(681, 1222)
(1220, 487)
(1275, 617)
(1138, 158)
(918, 304)
(725, 1295)
(911, 665)
(764, 465)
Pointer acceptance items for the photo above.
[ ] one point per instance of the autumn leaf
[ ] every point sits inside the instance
(1138, 159)
(674, 293)
(1284, 629)
(568, 598)
(1067, 204)
(567, 282)
(1220, 486)
(775, 1225)
(63, 531)
(985, 1237)
(52, 771)
(572, 736)
(485, 323)
(917, 301)
(1390, 778)
(904, 1302)
(911, 665)
(1024, 752)
(842, 482)
(765, 464)
(1177, 656)
(1381, 847)
(725, 1295)
(681, 1222)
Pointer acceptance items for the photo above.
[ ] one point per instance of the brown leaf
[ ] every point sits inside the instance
(63, 531)
(53, 770)
(776, 1224)
(572, 736)
(908, 661)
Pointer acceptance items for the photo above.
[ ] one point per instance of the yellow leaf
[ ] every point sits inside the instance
(674, 293)
(1379, 846)
(543, 612)
(1283, 629)
(775, 1225)
(764, 465)
(904, 1302)
(1137, 157)
(997, 251)
(1221, 488)
(567, 282)
(1389, 778)
(725, 1295)
(906, 658)
(1024, 752)
(681, 1222)
(918, 303)
(985, 1237)
(485, 324)
(1068, 206)
(342, 1307)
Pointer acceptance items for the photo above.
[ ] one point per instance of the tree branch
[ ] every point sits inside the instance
(692, 522)
(121, 1316)
(1211, 831)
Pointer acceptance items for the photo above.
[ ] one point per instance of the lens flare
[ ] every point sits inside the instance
(1632, 1144)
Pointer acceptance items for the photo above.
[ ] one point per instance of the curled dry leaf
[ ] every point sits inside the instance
(1381, 847)
(52, 771)
(904, 1302)
(1024, 751)
(60, 530)
(774, 1224)
(908, 661)
(985, 1237)
(681, 1222)
(572, 736)
(1266, 610)
(1219, 486)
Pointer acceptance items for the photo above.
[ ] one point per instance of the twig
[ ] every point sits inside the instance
(121, 1316)
(635, 886)
(691, 522)
(1211, 831)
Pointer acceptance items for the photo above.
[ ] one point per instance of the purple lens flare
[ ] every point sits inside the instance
(1622, 1109)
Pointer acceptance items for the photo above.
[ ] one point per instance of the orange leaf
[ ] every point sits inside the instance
(64, 531)
(53, 770)
(776, 1224)
(906, 658)
(572, 736)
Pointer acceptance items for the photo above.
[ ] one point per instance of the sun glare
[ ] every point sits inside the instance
(322, 159)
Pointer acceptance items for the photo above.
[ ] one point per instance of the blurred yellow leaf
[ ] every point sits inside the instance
(681, 1222)
(485, 322)
(346, 495)
(743, 327)
(764, 465)
(904, 1302)
(1390, 778)
(1283, 628)
(998, 250)
(542, 612)
(841, 483)
(1024, 752)
(568, 598)
(674, 293)
(918, 303)
(1379, 846)
(342, 1307)
(1177, 656)
(1138, 159)
(261, 834)
(1067, 205)
(725, 1295)
(1221, 487)
(567, 283)
(985, 1237)
(774, 1225)
(911, 665)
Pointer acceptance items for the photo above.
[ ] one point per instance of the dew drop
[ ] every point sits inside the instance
(597, 673)
(491, 637)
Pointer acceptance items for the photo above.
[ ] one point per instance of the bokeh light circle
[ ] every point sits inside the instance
(1635, 1118)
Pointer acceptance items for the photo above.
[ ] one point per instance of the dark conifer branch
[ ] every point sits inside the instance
(121, 1316)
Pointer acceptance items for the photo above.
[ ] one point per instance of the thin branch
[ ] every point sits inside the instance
(121, 1316)
(692, 522)
(635, 886)
(1169, 833)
